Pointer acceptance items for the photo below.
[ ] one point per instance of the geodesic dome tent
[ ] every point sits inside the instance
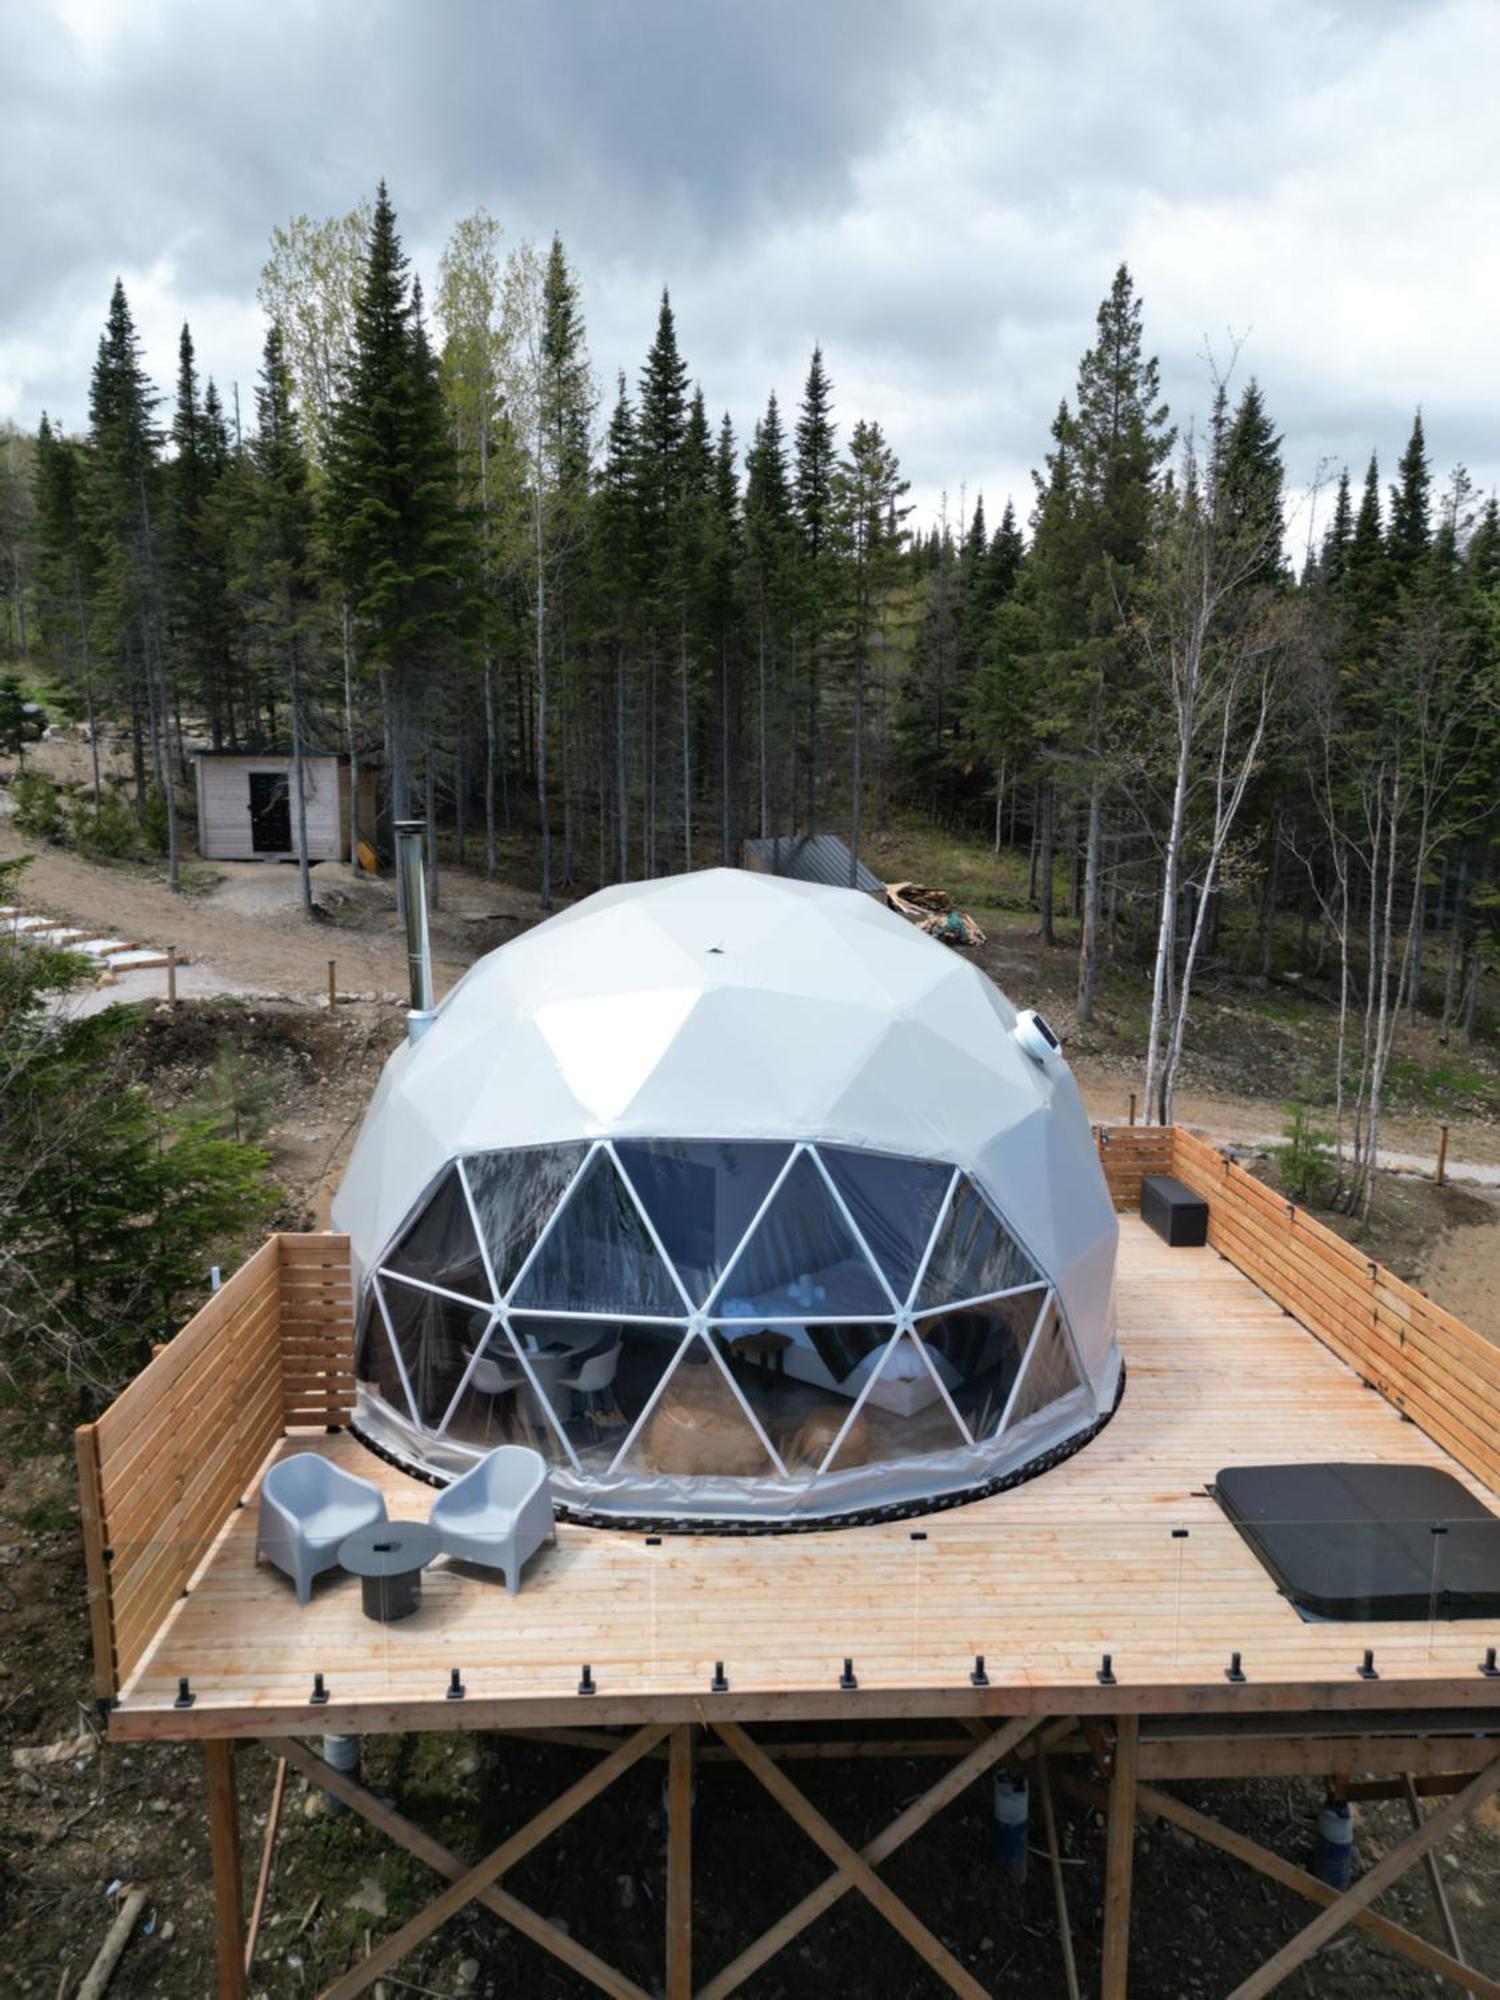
(741, 1200)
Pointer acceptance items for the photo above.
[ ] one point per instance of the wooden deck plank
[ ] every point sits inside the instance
(1042, 1580)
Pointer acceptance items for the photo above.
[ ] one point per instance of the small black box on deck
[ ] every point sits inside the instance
(1178, 1216)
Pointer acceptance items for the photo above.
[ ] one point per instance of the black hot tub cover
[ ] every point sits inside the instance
(1368, 1541)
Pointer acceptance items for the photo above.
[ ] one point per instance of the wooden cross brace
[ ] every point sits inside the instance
(856, 1870)
(480, 1883)
(852, 1870)
(1351, 1907)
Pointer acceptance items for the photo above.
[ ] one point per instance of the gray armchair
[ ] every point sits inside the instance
(499, 1514)
(307, 1507)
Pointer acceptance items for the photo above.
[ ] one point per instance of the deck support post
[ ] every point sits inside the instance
(1153, 1803)
(224, 1839)
(1059, 1887)
(680, 1864)
(385, 1819)
(1434, 1873)
(1119, 1862)
(1344, 1909)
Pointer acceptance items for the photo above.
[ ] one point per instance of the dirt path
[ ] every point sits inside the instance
(243, 925)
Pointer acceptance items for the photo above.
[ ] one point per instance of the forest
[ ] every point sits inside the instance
(433, 545)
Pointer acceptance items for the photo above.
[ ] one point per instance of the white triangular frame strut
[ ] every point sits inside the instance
(476, 1355)
(508, 1334)
(484, 1248)
(771, 1193)
(1002, 1223)
(937, 1228)
(1032, 1345)
(550, 1224)
(395, 1347)
(640, 1209)
(864, 1249)
(904, 1328)
(599, 1312)
(696, 1323)
(696, 1330)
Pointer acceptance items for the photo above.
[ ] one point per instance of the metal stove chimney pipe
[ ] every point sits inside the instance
(410, 837)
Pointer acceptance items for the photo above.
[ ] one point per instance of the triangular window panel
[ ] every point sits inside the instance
(374, 1361)
(698, 1426)
(979, 1349)
(895, 1203)
(1050, 1373)
(974, 1255)
(900, 1413)
(598, 1256)
(437, 1338)
(514, 1193)
(502, 1403)
(439, 1246)
(701, 1196)
(803, 1261)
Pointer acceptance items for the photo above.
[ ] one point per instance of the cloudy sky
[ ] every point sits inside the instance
(939, 192)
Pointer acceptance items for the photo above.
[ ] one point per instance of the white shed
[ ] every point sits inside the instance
(247, 812)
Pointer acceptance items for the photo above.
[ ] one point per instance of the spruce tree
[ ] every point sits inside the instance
(1248, 474)
(1409, 533)
(816, 461)
(198, 587)
(277, 563)
(614, 550)
(1368, 578)
(124, 481)
(1334, 560)
(371, 479)
(404, 547)
(661, 433)
(67, 572)
(770, 539)
(1007, 551)
(868, 536)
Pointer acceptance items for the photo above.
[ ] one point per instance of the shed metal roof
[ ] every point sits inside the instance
(810, 857)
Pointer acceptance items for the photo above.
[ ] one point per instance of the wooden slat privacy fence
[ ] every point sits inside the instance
(1438, 1372)
(162, 1468)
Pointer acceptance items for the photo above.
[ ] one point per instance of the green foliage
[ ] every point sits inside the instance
(114, 1210)
(21, 719)
(105, 833)
(154, 828)
(36, 806)
(237, 1104)
(1303, 1164)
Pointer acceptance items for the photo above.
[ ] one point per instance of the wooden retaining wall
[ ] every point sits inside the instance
(162, 1468)
(1436, 1370)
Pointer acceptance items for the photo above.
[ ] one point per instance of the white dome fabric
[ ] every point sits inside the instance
(671, 1042)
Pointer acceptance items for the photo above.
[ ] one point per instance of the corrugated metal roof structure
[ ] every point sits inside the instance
(809, 857)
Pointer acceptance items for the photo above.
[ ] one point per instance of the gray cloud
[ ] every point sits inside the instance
(938, 194)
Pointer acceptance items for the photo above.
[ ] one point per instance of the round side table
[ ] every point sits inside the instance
(389, 1558)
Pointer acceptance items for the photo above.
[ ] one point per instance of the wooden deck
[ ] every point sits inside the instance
(1044, 1580)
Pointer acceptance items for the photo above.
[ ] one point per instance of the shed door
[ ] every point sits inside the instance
(270, 812)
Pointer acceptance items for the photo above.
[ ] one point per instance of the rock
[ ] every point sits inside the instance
(369, 1897)
(468, 1972)
(168, 1931)
(314, 1805)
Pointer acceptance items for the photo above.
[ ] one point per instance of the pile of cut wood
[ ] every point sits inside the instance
(932, 910)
